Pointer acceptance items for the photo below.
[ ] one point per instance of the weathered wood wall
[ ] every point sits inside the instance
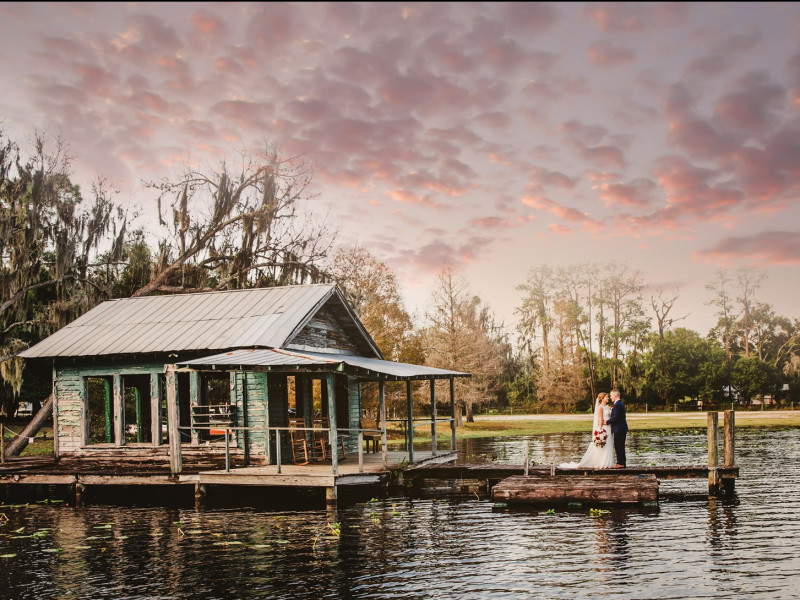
(325, 331)
(71, 397)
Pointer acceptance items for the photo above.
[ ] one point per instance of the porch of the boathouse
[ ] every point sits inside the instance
(279, 448)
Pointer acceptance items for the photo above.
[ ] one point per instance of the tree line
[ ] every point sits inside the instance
(249, 222)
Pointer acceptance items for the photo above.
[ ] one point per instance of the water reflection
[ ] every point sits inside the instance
(447, 544)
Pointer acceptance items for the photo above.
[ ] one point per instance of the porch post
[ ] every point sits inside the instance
(410, 407)
(109, 407)
(433, 417)
(56, 452)
(173, 418)
(382, 412)
(305, 386)
(139, 422)
(245, 438)
(155, 409)
(334, 434)
(119, 411)
(453, 410)
(194, 402)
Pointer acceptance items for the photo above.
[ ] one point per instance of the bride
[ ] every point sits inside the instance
(600, 454)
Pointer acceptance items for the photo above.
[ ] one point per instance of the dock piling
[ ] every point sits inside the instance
(80, 494)
(728, 448)
(527, 457)
(713, 455)
(331, 495)
(199, 495)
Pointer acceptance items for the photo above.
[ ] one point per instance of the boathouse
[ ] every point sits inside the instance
(264, 376)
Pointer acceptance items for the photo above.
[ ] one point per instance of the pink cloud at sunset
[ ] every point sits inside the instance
(450, 133)
(766, 248)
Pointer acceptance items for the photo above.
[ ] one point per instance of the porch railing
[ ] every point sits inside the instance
(229, 429)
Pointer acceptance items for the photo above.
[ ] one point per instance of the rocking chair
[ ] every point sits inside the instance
(299, 441)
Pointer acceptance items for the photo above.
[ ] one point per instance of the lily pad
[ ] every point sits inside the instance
(52, 550)
(7, 555)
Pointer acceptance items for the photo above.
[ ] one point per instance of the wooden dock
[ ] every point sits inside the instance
(144, 465)
(147, 466)
(519, 484)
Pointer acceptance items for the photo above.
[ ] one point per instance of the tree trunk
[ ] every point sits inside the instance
(19, 443)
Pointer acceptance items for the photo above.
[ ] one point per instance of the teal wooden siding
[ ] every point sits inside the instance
(249, 395)
(70, 390)
(354, 410)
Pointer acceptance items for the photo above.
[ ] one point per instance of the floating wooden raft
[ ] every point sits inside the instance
(583, 489)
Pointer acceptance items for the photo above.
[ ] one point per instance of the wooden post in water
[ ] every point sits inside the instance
(728, 448)
(80, 494)
(2, 444)
(527, 452)
(331, 493)
(713, 455)
(729, 441)
(199, 495)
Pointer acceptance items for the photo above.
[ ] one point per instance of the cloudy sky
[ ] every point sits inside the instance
(491, 137)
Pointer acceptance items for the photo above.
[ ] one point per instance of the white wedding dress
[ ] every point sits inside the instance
(597, 457)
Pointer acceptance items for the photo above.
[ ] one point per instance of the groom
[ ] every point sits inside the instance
(619, 427)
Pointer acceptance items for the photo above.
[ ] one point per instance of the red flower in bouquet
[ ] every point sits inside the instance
(599, 438)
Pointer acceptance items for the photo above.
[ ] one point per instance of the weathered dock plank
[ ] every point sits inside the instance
(584, 489)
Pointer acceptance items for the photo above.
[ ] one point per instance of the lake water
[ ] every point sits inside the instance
(450, 543)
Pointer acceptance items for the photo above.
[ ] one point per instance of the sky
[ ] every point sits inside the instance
(490, 137)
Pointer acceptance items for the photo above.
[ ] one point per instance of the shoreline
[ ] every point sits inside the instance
(513, 425)
(792, 416)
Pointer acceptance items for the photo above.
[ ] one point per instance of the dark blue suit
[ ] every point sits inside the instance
(619, 427)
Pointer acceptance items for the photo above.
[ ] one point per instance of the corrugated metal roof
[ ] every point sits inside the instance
(263, 317)
(269, 358)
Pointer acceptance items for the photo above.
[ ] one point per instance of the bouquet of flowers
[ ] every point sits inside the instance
(599, 437)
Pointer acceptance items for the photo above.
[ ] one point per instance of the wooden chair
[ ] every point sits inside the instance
(372, 433)
(299, 441)
(321, 447)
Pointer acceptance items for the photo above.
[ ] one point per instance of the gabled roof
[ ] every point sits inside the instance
(260, 317)
(282, 360)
